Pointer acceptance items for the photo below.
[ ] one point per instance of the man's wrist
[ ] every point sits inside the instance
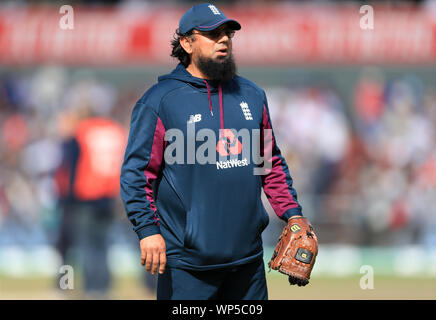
(291, 212)
(147, 231)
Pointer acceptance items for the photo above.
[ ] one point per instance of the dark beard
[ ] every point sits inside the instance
(217, 70)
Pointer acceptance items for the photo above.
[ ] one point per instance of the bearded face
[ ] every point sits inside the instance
(211, 53)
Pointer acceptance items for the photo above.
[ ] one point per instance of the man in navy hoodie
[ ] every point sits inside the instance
(200, 222)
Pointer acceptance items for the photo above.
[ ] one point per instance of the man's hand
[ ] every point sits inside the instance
(153, 253)
(296, 251)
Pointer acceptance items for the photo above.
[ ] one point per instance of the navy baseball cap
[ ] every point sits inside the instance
(205, 17)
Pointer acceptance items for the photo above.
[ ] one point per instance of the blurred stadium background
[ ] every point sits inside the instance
(354, 112)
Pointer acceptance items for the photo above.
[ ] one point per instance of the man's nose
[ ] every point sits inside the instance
(223, 37)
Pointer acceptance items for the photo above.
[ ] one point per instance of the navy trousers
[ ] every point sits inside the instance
(245, 282)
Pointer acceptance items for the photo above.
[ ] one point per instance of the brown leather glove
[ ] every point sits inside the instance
(296, 251)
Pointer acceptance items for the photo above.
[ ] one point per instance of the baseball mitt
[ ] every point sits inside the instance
(296, 251)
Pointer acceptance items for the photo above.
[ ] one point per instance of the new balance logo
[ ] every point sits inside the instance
(246, 111)
(214, 9)
(194, 118)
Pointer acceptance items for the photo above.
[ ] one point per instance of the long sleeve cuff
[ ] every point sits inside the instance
(147, 231)
(291, 212)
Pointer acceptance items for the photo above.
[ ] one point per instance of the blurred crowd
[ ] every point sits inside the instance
(365, 172)
(38, 111)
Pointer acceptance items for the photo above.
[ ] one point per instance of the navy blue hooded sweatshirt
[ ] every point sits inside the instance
(210, 215)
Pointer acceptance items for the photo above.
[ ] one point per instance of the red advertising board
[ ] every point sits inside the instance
(278, 35)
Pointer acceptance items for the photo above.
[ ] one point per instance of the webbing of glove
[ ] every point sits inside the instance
(296, 251)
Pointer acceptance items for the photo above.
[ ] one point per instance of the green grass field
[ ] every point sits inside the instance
(349, 288)
(278, 286)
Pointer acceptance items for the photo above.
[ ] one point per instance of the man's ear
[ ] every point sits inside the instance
(186, 43)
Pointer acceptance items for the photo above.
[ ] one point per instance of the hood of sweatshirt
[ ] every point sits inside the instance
(210, 86)
(180, 73)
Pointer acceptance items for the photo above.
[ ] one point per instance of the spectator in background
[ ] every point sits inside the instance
(88, 183)
(369, 102)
